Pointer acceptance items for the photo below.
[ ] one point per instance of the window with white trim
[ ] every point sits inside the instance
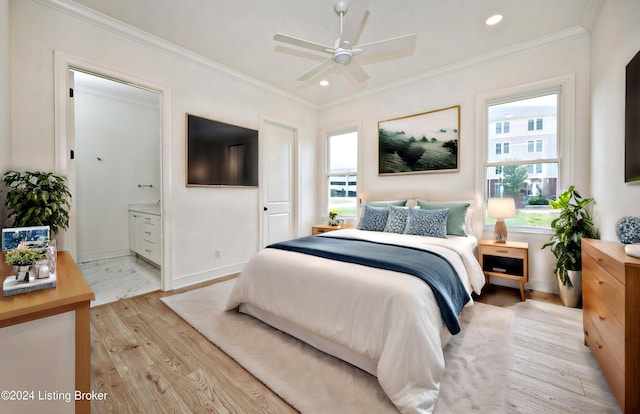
(527, 167)
(342, 173)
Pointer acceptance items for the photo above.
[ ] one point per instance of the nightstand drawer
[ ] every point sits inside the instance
(504, 251)
(500, 264)
(325, 228)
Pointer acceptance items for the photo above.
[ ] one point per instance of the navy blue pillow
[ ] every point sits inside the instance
(374, 218)
(432, 223)
(397, 220)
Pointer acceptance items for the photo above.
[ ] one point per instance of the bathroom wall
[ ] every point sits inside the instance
(117, 133)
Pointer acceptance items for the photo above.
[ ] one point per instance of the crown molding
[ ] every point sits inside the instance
(590, 14)
(96, 18)
(574, 32)
(81, 12)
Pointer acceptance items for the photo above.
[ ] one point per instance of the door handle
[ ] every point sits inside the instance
(264, 209)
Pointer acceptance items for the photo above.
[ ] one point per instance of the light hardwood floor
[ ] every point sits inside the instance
(149, 360)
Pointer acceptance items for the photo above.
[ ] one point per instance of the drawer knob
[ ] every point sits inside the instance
(602, 318)
(502, 251)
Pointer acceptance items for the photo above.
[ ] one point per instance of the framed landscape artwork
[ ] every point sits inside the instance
(421, 143)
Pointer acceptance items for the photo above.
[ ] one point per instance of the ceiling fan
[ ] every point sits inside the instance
(345, 47)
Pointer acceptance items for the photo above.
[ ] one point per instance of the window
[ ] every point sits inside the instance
(534, 145)
(521, 170)
(502, 127)
(342, 171)
(498, 148)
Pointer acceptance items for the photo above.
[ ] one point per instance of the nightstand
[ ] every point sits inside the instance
(323, 228)
(509, 260)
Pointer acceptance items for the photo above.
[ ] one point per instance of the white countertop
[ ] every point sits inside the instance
(149, 208)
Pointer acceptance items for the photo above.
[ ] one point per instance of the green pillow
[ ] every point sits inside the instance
(399, 203)
(456, 218)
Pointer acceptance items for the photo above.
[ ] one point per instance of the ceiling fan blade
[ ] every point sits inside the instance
(302, 43)
(382, 46)
(356, 70)
(313, 72)
(355, 19)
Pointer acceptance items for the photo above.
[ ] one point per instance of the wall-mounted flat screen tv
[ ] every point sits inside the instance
(632, 122)
(220, 154)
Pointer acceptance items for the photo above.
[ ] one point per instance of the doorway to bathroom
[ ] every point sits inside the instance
(115, 166)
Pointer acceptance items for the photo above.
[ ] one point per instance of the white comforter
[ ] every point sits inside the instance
(385, 322)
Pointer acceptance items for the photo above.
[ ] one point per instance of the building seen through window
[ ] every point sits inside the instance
(522, 160)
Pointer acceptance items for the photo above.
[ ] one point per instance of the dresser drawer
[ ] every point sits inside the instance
(605, 358)
(598, 283)
(608, 263)
(610, 330)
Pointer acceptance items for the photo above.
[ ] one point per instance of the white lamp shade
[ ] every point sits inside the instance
(501, 208)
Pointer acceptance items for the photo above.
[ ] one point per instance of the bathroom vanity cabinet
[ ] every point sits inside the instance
(144, 235)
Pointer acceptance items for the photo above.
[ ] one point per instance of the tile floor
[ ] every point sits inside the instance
(120, 277)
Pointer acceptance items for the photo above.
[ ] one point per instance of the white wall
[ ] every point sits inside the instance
(5, 95)
(117, 147)
(615, 40)
(460, 87)
(200, 219)
(5, 98)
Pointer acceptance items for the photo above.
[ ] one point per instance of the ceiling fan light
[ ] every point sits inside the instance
(493, 20)
(342, 57)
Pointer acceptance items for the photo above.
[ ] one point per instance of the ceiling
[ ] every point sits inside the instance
(239, 35)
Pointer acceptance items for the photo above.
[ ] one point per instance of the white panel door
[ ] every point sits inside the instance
(279, 177)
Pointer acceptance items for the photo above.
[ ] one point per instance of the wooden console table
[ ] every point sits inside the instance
(72, 293)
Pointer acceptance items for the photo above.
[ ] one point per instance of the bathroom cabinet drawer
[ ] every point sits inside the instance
(145, 236)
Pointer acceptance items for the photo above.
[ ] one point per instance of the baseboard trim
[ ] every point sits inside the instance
(90, 257)
(207, 275)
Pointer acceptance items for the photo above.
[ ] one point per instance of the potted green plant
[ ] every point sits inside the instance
(333, 215)
(23, 260)
(573, 223)
(37, 199)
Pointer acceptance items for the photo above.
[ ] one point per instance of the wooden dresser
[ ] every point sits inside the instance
(611, 301)
(28, 314)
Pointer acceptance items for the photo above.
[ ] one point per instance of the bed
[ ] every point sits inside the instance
(383, 321)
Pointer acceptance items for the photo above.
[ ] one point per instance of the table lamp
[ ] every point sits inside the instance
(500, 209)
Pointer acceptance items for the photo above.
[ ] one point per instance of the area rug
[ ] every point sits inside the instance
(316, 383)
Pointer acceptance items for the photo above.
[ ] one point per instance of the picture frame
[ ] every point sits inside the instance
(12, 237)
(427, 142)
